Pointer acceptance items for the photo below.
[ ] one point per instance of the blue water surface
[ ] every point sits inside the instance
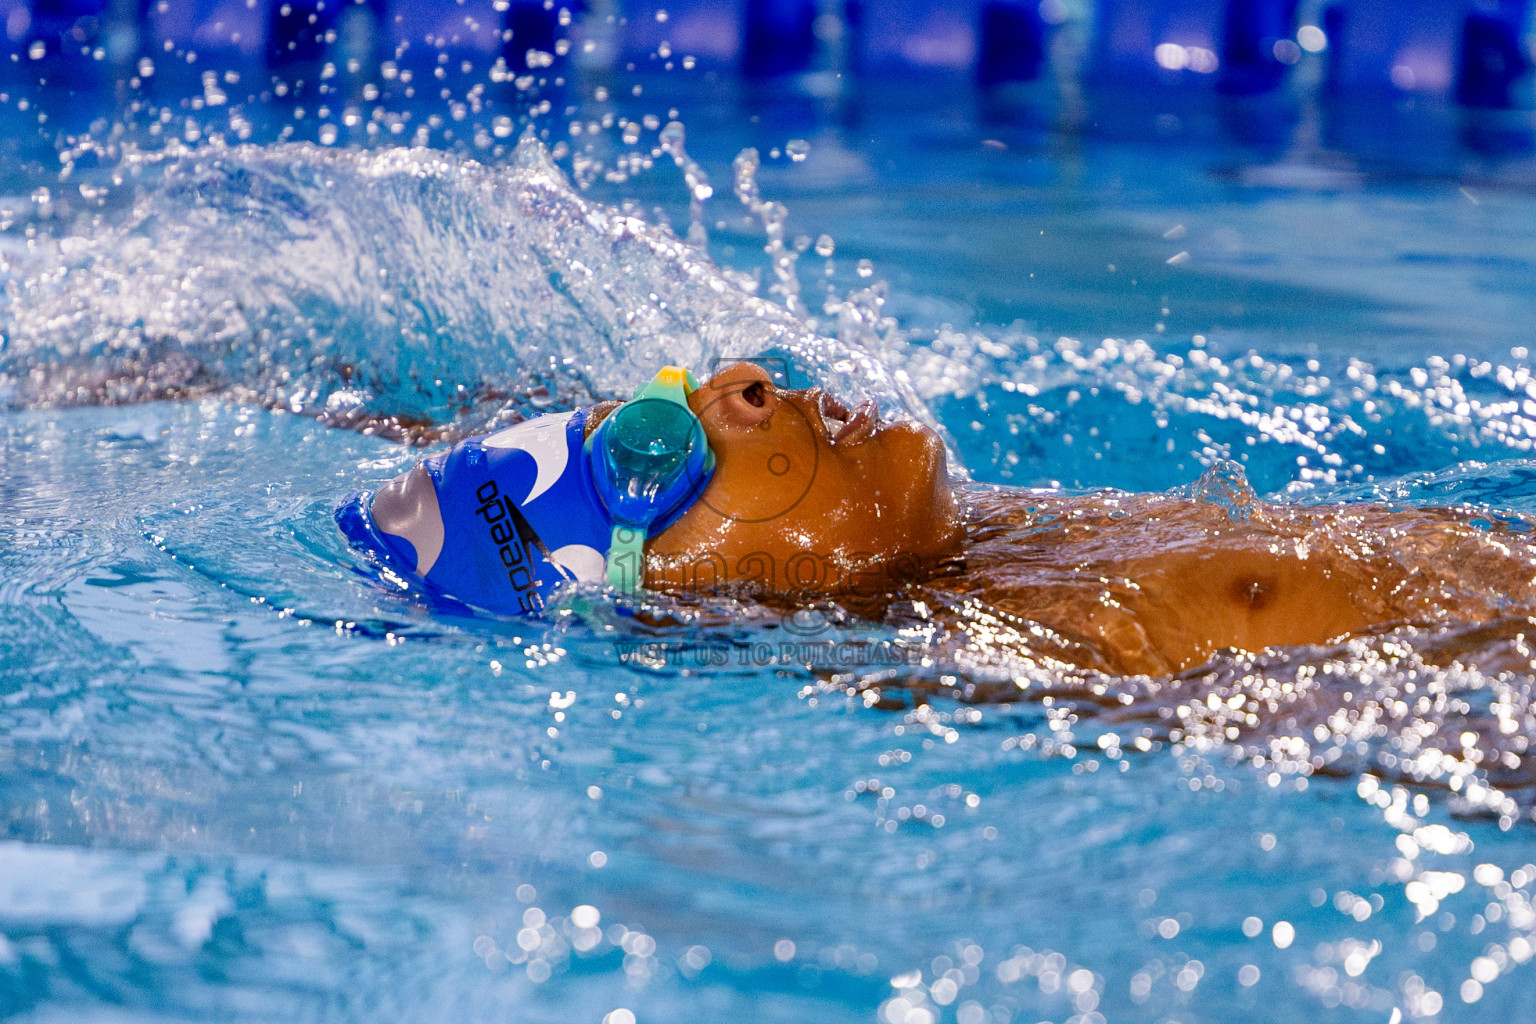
(243, 779)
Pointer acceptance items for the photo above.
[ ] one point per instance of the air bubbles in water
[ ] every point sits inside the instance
(797, 149)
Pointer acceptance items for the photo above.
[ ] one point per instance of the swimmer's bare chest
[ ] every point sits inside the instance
(1160, 584)
(1176, 610)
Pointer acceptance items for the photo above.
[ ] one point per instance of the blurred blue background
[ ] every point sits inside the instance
(1474, 51)
(1405, 87)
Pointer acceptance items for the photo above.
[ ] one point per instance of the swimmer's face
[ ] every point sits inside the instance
(807, 495)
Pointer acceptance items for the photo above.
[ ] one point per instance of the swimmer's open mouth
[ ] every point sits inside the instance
(844, 425)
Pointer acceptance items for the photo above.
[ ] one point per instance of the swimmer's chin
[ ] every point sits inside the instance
(926, 454)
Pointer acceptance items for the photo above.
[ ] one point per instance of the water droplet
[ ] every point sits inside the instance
(673, 136)
(1226, 484)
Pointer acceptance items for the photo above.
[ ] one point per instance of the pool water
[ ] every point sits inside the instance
(245, 779)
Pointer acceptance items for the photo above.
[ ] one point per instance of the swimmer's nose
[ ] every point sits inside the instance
(741, 395)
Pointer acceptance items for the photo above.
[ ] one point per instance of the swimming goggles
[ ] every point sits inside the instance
(650, 462)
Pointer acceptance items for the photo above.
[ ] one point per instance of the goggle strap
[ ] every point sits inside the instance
(626, 558)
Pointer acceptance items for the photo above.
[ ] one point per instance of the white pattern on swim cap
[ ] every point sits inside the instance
(543, 437)
(585, 563)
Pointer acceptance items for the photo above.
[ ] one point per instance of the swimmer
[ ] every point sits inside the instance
(743, 486)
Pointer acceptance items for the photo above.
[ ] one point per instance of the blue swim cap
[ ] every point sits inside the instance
(500, 520)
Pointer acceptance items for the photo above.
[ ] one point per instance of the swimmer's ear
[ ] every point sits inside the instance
(740, 396)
